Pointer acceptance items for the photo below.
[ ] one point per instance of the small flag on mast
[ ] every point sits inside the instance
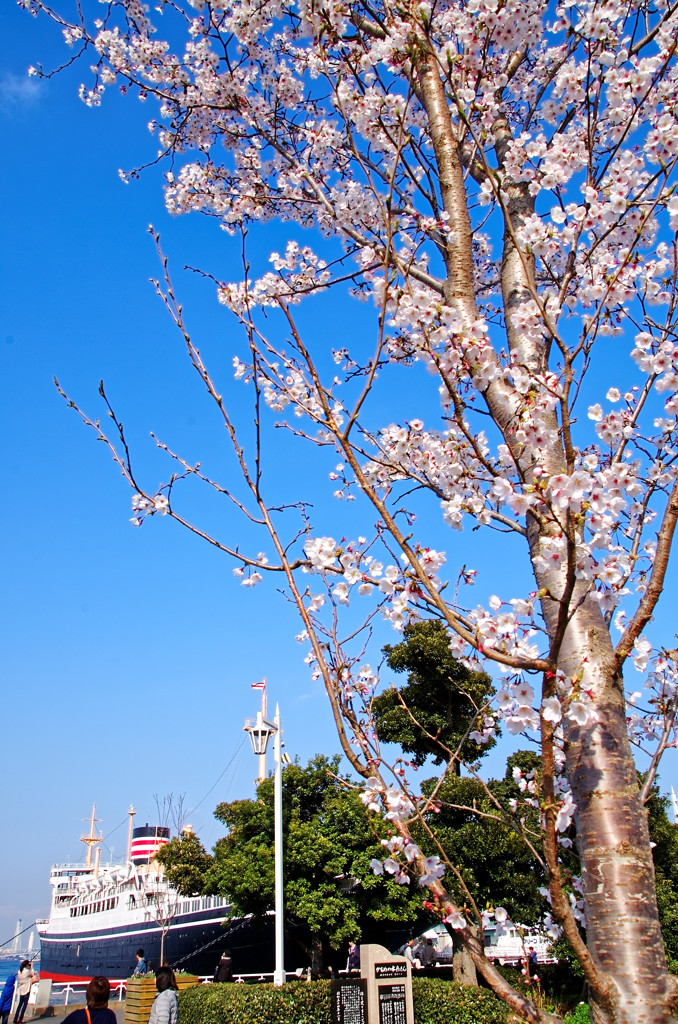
(259, 686)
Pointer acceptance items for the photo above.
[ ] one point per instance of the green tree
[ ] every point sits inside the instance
(495, 864)
(187, 865)
(329, 884)
(498, 867)
(664, 835)
(443, 698)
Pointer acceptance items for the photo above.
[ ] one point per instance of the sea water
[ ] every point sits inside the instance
(11, 965)
(7, 969)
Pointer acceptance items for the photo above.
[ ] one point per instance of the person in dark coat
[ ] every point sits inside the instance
(7, 998)
(97, 994)
(353, 962)
(224, 971)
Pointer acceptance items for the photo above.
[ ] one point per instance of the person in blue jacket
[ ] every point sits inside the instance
(7, 998)
(141, 965)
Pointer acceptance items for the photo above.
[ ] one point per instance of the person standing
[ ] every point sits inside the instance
(530, 968)
(224, 971)
(141, 965)
(428, 954)
(409, 954)
(353, 962)
(7, 998)
(97, 995)
(24, 981)
(165, 1009)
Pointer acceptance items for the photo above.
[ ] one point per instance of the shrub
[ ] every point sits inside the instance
(298, 1002)
(436, 1001)
(580, 1015)
(557, 992)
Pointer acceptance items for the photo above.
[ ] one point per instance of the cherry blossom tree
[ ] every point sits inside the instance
(497, 178)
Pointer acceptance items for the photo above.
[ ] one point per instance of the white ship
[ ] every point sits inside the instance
(509, 947)
(513, 945)
(99, 917)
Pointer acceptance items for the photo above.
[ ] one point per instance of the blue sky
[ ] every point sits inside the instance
(126, 655)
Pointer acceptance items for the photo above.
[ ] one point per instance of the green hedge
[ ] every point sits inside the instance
(298, 1002)
(435, 1002)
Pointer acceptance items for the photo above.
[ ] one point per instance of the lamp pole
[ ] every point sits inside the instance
(260, 732)
(279, 975)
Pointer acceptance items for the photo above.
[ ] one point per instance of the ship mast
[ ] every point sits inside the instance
(130, 831)
(92, 839)
(252, 725)
(262, 756)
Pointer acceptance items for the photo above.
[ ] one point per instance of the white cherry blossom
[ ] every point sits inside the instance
(499, 181)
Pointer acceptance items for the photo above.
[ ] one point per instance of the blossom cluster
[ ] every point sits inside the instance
(143, 507)
(398, 805)
(297, 273)
(402, 855)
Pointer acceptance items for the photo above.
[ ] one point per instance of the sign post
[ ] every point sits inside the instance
(389, 986)
(349, 1001)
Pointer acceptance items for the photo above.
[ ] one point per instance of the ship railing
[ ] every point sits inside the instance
(301, 972)
(65, 992)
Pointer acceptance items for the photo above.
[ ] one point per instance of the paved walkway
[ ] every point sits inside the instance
(58, 1013)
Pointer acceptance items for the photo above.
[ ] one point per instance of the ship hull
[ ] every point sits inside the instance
(193, 943)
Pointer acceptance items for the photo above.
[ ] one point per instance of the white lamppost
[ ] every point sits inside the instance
(260, 732)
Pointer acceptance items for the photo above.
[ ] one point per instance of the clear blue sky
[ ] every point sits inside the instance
(127, 655)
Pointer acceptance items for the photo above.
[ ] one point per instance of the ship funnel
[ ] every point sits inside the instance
(146, 841)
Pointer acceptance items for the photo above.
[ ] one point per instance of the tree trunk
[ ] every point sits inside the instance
(316, 955)
(463, 968)
(623, 931)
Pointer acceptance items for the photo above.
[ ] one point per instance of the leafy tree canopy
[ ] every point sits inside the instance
(329, 844)
(187, 864)
(496, 866)
(443, 698)
(664, 835)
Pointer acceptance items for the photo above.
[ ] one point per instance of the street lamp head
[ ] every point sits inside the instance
(259, 732)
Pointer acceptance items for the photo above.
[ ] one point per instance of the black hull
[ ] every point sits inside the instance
(193, 944)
